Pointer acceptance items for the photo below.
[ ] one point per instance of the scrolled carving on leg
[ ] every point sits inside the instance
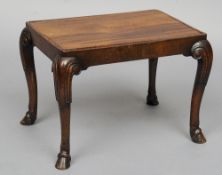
(27, 58)
(202, 52)
(26, 38)
(152, 97)
(63, 70)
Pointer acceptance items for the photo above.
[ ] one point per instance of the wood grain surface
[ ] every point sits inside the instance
(112, 30)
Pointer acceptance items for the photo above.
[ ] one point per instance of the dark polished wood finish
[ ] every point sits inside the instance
(202, 52)
(27, 57)
(74, 44)
(151, 97)
(63, 71)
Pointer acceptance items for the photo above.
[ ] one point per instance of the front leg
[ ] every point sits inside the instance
(202, 52)
(27, 58)
(63, 70)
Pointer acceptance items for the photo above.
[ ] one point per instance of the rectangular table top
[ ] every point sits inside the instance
(112, 30)
(111, 38)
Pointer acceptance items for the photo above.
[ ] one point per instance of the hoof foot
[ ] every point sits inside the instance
(152, 100)
(63, 161)
(197, 136)
(29, 119)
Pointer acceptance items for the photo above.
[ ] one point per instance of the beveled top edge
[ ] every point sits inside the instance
(96, 15)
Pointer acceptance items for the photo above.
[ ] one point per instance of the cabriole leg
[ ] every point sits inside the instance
(27, 58)
(202, 52)
(63, 70)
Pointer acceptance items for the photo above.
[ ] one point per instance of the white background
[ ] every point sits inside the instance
(112, 130)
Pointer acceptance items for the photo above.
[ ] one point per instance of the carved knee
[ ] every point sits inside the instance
(63, 69)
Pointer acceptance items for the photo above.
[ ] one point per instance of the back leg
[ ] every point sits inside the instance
(151, 97)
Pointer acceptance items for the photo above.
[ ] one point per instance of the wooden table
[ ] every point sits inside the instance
(74, 44)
